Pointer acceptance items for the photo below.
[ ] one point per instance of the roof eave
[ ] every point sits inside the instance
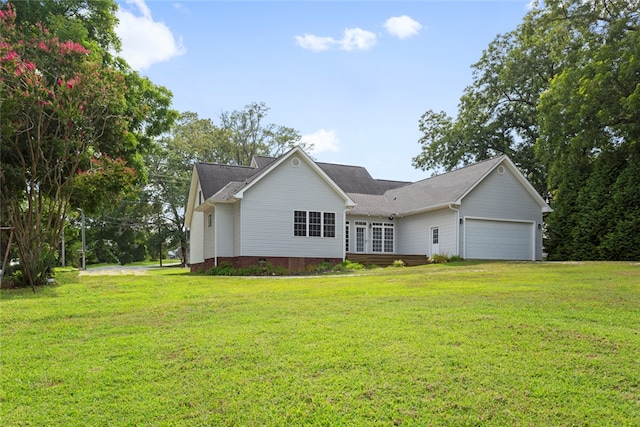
(193, 189)
(426, 209)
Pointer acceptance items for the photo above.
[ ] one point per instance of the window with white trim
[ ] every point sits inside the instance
(382, 236)
(329, 224)
(346, 237)
(299, 223)
(314, 224)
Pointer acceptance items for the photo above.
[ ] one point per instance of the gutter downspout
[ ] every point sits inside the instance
(457, 227)
(215, 236)
(344, 235)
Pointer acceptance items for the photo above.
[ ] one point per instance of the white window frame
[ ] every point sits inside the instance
(346, 237)
(360, 246)
(325, 228)
(383, 237)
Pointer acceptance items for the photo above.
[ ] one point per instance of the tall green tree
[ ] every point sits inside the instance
(497, 113)
(63, 126)
(559, 95)
(590, 134)
(89, 22)
(75, 121)
(191, 139)
(247, 135)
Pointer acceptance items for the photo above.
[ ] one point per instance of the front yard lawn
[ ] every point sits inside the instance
(455, 344)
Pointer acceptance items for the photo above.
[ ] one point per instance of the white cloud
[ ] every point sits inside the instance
(402, 27)
(357, 39)
(352, 39)
(144, 41)
(315, 43)
(322, 140)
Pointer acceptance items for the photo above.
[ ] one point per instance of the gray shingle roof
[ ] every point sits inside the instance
(351, 179)
(435, 191)
(263, 161)
(356, 179)
(213, 177)
(372, 196)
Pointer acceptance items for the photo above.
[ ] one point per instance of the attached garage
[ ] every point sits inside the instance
(499, 239)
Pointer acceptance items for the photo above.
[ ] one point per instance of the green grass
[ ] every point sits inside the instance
(454, 344)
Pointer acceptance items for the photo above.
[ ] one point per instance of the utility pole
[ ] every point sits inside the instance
(84, 246)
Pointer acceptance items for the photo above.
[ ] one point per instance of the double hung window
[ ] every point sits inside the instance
(314, 224)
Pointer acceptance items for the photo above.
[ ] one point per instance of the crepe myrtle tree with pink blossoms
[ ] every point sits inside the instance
(65, 136)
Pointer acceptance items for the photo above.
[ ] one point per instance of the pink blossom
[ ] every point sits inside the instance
(11, 55)
(72, 47)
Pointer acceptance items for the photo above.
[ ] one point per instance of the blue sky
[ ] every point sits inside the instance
(353, 77)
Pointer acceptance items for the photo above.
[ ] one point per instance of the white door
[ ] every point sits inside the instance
(435, 240)
(361, 237)
(494, 239)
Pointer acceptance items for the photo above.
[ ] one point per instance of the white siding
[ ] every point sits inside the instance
(414, 232)
(236, 228)
(196, 233)
(224, 229)
(209, 234)
(502, 197)
(196, 239)
(266, 217)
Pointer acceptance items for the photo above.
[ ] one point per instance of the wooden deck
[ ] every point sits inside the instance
(384, 260)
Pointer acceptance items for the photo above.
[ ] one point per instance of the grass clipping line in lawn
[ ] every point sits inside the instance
(455, 344)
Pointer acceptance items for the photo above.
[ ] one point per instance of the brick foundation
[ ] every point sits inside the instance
(292, 264)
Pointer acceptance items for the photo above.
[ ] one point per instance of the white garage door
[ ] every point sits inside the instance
(508, 240)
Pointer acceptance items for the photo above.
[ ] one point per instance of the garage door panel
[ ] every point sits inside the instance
(489, 239)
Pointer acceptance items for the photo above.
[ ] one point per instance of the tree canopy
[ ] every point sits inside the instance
(559, 95)
(245, 135)
(74, 125)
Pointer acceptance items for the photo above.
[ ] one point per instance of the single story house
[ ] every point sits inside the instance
(293, 212)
